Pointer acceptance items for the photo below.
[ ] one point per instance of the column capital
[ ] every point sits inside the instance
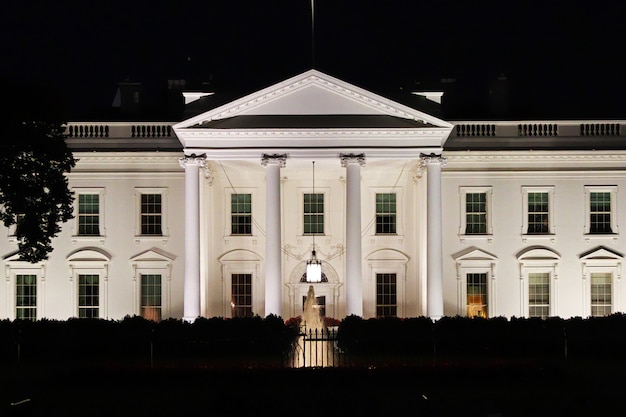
(431, 158)
(274, 159)
(352, 158)
(192, 159)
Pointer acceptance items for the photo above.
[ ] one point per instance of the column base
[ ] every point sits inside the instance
(189, 319)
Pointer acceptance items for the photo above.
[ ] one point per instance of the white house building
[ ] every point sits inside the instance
(409, 214)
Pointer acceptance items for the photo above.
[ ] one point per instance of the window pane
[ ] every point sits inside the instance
(241, 295)
(476, 213)
(539, 295)
(386, 213)
(601, 293)
(313, 214)
(88, 214)
(386, 295)
(26, 297)
(538, 211)
(600, 212)
(477, 295)
(241, 214)
(88, 296)
(151, 296)
(151, 214)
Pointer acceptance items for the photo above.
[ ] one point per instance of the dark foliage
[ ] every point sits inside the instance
(34, 158)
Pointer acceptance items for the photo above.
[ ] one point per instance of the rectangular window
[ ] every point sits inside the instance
(313, 214)
(386, 295)
(26, 297)
(477, 295)
(241, 295)
(538, 213)
(385, 213)
(89, 296)
(88, 214)
(601, 294)
(151, 296)
(241, 214)
(600, 212)
(539, 294)
(476, 213)
(151, 215)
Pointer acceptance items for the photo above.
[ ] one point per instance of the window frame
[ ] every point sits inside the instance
(228, 227)
(385, 261)
(612, 189)
(399, 192)
(152, 262)
(231, 214)
(89, 262)
(163, 191)
(14, 266)
(550, 234)
(141, 276)
(538, 260)
(463, 192)
(325, 191)
(475, 261)
(101, 237)
(233, 305)
(323, 214)
(601, 260)
(377, 305)
(78, 286)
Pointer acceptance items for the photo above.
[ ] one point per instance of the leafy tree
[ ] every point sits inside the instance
(34, 158)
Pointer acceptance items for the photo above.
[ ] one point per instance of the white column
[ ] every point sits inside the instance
(191, 295)
(434, 258)
(273, 259)
(354, 258)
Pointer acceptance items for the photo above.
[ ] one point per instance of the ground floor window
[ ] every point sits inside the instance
(88, 296)
(386, 295)
(539, 294)
(477, 295)
(601, 294)
(151, 296)
(241, 295)
(26, 297)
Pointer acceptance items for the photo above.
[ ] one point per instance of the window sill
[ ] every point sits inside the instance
(596, 236)
(488, 238)
(163, 239)
(546, 236)
(97, 239)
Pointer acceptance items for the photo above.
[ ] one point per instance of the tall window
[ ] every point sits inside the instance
(241, 214)
(477, 295)
(386, 295)
(539, 294)
(151, 303)
(538, 213)
(151, 215)
(475, 213)
(88, 296)
(601, 293)
(600, 212)
(313, 214)
(26, 297)
(385, 213)
(241, 295)
(88, 214)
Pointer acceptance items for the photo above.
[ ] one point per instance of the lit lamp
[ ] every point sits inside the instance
(313, 265)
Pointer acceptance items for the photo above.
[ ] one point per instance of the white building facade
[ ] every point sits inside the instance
(409, 214)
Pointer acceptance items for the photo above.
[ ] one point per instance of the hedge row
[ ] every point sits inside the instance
(270, 339)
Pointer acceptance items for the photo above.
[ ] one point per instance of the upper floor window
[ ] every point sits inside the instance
(313, 214)
(88, 215)
(386, 213)
(476, 211)
(241, 214)
(538, 212)
(151, 218)
(601, 210)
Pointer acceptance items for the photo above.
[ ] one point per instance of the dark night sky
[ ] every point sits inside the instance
(561, 60)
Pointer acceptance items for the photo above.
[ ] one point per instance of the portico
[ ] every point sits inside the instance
(259, 146)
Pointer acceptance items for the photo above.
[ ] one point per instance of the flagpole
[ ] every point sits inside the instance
(312, 33)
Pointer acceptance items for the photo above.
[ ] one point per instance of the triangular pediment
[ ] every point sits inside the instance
(152, 255)
(313, 93)
(312, 110)
(601, 253)
(473, 254)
